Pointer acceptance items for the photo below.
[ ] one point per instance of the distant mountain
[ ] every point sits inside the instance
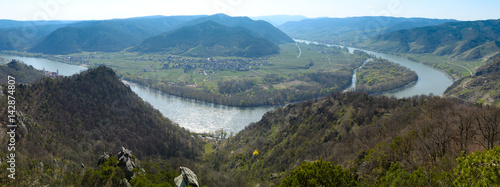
(261, 28)
(467, 40)
(278, 20)
(22, 38)
(107, 35)
(209, 39)
(351, 29)
(482, 87)
(4, 23)
(22, 73)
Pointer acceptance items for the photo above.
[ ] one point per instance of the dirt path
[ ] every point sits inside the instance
(300, 51)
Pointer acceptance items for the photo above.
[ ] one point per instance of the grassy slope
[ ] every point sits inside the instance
(483, 87)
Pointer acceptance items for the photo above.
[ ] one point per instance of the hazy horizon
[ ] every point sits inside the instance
(113, 9)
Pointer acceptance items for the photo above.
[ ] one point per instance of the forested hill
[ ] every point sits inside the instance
(107, 35)
(74, 120)
(16, 38)
(483, 87)
(375, 138)
(259, 28)
(209, 39)
(22, 73)
(466, 40)
(21, 35)
(352, 29)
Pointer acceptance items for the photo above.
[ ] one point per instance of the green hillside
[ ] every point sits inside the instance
(22, 38)
(352, 29)
(382, 141)
(23, 73)
(21, 35)
(483, 87)
(259, 28)
(467, 40)
(67, 123)
(209, 39)
(5, 23)
(107, 35)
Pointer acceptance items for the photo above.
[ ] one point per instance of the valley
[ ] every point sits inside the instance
(223, 100)
(273, 77)
(232, 119)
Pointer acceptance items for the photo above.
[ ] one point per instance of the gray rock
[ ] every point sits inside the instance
(103, 159)
(179, 181)
(187, 177)
(128, 162)
(275, 176)
(124, 183)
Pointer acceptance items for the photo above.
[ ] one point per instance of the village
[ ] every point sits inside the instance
(209, 65)
(51, 74)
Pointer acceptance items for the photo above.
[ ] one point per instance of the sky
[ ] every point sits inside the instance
(109, 9)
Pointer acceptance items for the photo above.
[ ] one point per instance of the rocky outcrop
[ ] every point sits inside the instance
(103, 159)
(124, 183)
(127, 162)
(187, 177)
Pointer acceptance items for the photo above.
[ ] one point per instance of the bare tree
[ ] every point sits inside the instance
(488, 119)
(465, 130)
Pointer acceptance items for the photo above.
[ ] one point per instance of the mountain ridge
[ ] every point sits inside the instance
(261, 28)
(105, 35)
(467, 40)
(351, 29)
(209, 39)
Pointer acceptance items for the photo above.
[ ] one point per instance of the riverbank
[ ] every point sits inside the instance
(380, 75)
(441, 63)
(431, 80)
(318, 84)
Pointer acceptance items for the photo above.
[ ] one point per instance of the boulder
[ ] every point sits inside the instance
(187, 177)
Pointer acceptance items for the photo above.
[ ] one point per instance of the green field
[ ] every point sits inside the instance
(286, 63)
(453, 67)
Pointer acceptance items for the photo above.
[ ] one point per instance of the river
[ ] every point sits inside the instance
(205, 117)
(430, 80)
(193, 115)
